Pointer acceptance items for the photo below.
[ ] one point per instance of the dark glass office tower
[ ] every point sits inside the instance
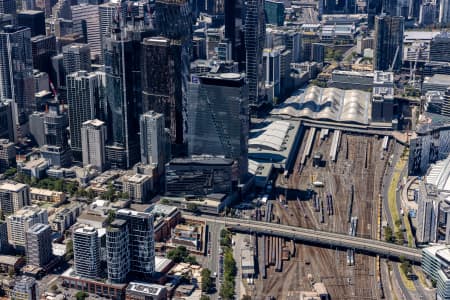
(161, 83)
(388, 48)
(218, 118)
(123, 94)
(16, 70)
(33, 19)
(255, 31)
(233, 28)
(373, 8)
(118, 53)
(8, 7)
(43, 49)
(173, 20)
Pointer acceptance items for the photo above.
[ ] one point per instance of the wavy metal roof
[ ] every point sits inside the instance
(328, 104)
(272, 136)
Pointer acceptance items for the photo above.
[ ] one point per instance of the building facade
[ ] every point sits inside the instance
(388, 46)
(93, 138)
(21, 221)
(39, 245)
(218, 118)
(255, 31)
(13, 196)
(82, 97)
(16, 70)
(86, 252)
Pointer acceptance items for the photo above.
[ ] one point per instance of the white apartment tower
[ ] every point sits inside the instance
(21, 221)
(82, 94)
(93, 137)
(153, 144)
(86, 251)
(13, 196)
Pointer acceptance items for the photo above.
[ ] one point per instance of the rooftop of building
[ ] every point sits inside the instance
(12, 186)
(440, 79)
(44, 192)
(147, 289)
(439, 175)
(27, 211)
(95, 123)
(9, 259)
(162, 263)
(6, 142)
(202, 160)
(38, 228)
(138, 178)
(85, 229)
(93, 216)
(431, 121)
(349, 106)
(272, 136)
(35, 163)
(247, 258)
(412, 36)
(440, 251)
(353, 73)
(162, 209)
(382, 77)
(320, 288)
(129, 212)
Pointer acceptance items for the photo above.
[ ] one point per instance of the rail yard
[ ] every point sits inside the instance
(334, 186)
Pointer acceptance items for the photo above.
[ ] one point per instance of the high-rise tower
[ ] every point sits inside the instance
(123, 93)
(161, 83)
(388, 50)
(86, 252)
(16, 70)
(218, 118)
(255, 31)
(173, 20)
(82, 97)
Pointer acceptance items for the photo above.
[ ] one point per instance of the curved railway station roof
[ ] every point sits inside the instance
(350, 106)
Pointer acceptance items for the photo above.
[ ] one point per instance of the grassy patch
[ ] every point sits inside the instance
(392, 197)
(421, 277)
(408, 230)
(409, 284)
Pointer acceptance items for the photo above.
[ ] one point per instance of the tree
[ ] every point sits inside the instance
(206, 280)
(11, 272)
(111, 216)
(54, 287)
(388, 234)
(191, 260)
(178, 254)
(10, 172)
(225, 238)
(81, 295)
(246, 297)
(69, 250)
(204, 297)
(405, 265)
(399, 237)
(227, 290)
(110, 193)
(192, 207)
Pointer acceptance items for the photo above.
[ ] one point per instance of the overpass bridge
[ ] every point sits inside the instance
(328, 239)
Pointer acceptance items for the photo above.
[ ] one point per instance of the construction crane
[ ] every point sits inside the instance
(412, 74)
(391, 67)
